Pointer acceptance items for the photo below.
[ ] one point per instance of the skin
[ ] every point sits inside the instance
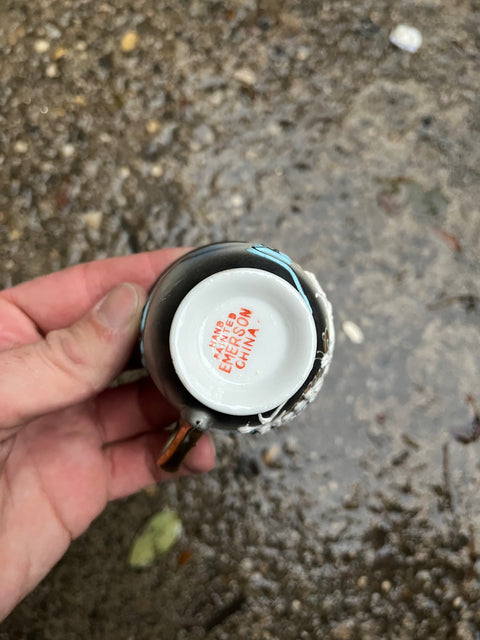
(68, 443)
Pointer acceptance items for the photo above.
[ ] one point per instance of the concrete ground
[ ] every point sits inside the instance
(127, 127)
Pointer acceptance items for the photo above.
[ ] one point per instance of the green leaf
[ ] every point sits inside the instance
(159, 534)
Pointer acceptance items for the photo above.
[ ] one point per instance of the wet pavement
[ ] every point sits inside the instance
(300, 125)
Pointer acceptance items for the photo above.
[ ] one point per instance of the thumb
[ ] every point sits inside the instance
(72, 364)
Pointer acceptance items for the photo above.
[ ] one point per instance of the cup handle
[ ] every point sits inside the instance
(184, 438)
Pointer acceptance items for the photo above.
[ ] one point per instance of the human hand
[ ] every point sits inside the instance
(69, 444)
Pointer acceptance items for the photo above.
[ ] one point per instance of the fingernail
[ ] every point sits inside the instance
(117, 308)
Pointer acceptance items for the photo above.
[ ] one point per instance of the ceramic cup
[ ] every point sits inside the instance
(237, 337)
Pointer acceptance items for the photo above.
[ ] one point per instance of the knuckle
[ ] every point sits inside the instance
(66, 352)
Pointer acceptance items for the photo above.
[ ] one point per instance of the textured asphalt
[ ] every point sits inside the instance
(131, 127)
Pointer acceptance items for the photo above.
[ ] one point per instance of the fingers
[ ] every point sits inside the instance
(15, 327)
(131, 465)
(71, 364)
(132, 409)
(60, 299)
(131, 419)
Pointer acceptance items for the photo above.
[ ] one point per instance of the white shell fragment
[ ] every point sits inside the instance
(406, 38)
(353, 332)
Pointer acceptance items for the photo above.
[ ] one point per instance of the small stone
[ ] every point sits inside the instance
(362, 582)
(457, 603)
(20, 147)
(290, 446)
(93, 220)
(60, 52)
(129, 41)
(16, 35)
(406, 38)
(296, 605)
(237, 200)
(246, 565)
(81, 45)
(157, 171)
(343, 631)
(303, 53)
(245, 76)
(51, 71)
(423, 575)
(80, 100)
(15, 234)
(51, 31)
(352, 500)
(353, 332)
(216, 98)
(168, 132)
(386, 586)
(41, 46)
(153, 126)
(271, 455)
(68, 150)
(204, 135)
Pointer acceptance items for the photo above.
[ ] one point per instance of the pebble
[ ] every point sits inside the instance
(423, 575)
(343, 631)
(245, 76)
(93, 220)
(51, 71)
(353, 332)
(153, 126)
(204, 135)
(59, 53)
(290, 446)
(237, 200)
(296, 605)
(81, 102)
(271, 455)
(51, 31)
(156, 171)
(386, 586)
(20, 147)
(41, 46)
(303, 53)
(352, 500)
(247, 565)
(129, 41)
(406, 38)
(68, 150)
